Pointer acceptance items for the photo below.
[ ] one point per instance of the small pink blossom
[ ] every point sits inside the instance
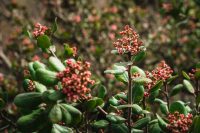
(75, 80)
(129, 42)
(39, 30)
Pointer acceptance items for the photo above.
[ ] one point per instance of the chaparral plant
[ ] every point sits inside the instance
(63, 96)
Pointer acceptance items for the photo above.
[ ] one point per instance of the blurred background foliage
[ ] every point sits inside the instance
(170, 29)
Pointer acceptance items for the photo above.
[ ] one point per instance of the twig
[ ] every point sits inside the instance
(166, 94)
(144, 107)
(196, 95)
(5, 58)
(129, 94)
(101, 110)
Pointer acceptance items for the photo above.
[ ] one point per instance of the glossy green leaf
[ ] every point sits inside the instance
(55, 115)
(56, 64)
(119, 128)
(37, 65)
(133, 130)
(142, 80)
(135, 69)
(46, 77)
(185, 75)
(61, 129)
(161, 122)
(139, 124)
(113, 101)
(102, 91)
(40, 87)
(188, 86)
(101, 124)
(138, 93)
(32, 122)
(136, 109)
(178, 106)
(140, 56)
(157, 86)
(75, 113)
(28, 100)
(115, 118)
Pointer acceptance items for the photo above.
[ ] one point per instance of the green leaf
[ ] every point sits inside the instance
(43, 42)
(135, 69)
(188, 86)
(66, 116)
(31, 70)
(117, 71)
(176, 89)
(56, 64)
(75, 113)
(54, 27)
(140, 56)
(61, 129)
(102, 91)
(155, 128)
(32, 122)
(153, 95)
(101, 124)
(121, 95)
(185, 75)
(119, 128)
(163, 106)
(178, 106)
(161, 122)
(113, 101)
(138, 93)
(46, 77)
(37, 65)
(142, 123)
(68, 50)
(40, 87)
(91, 104)
(136, 109)
(157, 86)
(28, 100)
(195, 125)
(122, 77)
(133, 130)
(142, 80)
(55, 114)
(115, 119)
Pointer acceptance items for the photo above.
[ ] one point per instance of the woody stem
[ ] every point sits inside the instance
(129, 95)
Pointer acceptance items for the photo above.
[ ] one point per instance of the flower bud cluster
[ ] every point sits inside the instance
(161, 72)
(179, 123)
(75, 80)
(39, 30)
(129, 42)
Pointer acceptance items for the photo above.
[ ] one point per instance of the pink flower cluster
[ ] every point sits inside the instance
(75, 80)
(161, 72)
(179, 123)
(129, 42)
(39, 30)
